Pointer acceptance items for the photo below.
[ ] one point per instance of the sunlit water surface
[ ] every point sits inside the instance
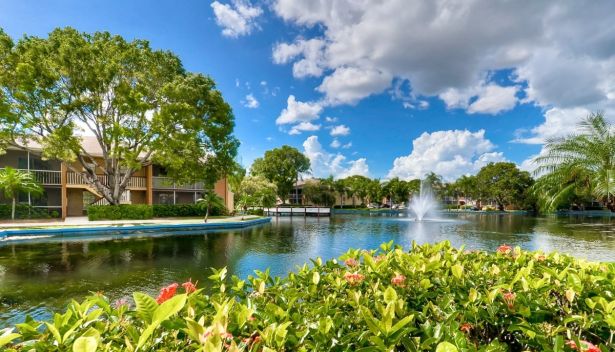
(39, 278)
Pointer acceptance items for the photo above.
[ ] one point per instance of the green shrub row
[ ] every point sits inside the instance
(433, 298)
(185, 210)
(143, 211)
(25, 211)
(120, 212)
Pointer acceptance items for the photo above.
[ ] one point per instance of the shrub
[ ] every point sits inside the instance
(259, 212)
(185, 210)
(23, 211)
(432, 298)
(120, 212)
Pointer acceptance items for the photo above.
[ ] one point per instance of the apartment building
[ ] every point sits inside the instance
(67, 193)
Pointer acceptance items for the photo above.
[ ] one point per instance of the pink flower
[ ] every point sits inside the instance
(398, 280)
(379, 258)
(354, 279)
(466, 327)
(586, 346)
(189, 287)
(504, 249)
(351, 262)
(120, 302)
(166, 293)
(509, 298)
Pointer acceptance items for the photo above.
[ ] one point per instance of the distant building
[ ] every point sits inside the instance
(67, 193)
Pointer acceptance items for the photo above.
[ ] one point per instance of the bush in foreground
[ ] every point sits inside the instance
(433, 298)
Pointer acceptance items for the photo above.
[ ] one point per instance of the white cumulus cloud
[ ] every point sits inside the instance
(297, 111)
(237, 18)
(250, 102)
(450, 153)
(324, 163)
(340, 130)
(303, 127)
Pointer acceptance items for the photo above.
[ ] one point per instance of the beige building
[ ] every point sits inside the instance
(67, 193)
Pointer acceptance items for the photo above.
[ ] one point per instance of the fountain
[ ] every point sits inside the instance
(424, 202)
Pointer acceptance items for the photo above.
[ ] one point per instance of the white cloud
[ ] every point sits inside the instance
(450, 49)
(303, 127)
(324, 163)
(449, 153)
(335, 143)
(310, 52)
(340, 130)
(331, 119)
(297, 111)
(347, 145)
(236, 19)
(250, 102)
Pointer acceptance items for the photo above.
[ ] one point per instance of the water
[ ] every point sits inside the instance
(39, 278)
(424, 203)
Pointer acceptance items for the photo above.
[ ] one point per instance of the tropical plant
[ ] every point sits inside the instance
(432, 298)
(209, 199)
(319, 192)
(578, 166)
(13, 182)
(504, 183)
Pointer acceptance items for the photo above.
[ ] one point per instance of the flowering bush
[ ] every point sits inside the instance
(434, 297)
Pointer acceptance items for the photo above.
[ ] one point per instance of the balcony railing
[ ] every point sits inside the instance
(45, 177)
(160, 182)
(135, 182)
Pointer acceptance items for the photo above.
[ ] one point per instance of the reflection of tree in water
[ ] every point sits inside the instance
(580, 228)
(503, 223)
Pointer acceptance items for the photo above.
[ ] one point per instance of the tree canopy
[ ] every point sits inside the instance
(256, 191)
(281, 166)
(140, 104)
(504, 183)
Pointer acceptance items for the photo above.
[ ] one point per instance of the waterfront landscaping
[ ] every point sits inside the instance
(380, 300)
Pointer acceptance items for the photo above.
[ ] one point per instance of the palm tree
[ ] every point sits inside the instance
(210, 199)
(578, 166)
(13, 181)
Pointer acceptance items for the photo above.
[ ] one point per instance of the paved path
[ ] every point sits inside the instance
(82, 221)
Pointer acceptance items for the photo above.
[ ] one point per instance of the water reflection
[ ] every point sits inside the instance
(37, 277)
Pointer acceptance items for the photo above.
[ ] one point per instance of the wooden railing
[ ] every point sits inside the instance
(124, 199)
(45, 177)
(135, 182)
(160, 182)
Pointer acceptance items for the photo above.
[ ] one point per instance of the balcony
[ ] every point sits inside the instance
(135, 182)
(45, 177)
(167, 183)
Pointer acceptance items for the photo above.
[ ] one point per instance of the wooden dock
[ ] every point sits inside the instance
(298, 211)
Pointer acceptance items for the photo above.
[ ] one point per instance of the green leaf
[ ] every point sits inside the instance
(146, 306)
(457, 271)
(446, 347)
(169, 308)
(390, 295)
(54, 331)
(8, 336)
(316, 278)
(85, 344)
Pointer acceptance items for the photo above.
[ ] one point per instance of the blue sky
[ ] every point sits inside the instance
(417, 87)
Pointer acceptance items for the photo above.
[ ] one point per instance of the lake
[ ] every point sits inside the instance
(39, 278)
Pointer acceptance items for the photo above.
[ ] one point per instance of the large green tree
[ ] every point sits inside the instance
(256, 191)
(504, 183)
(13, 182)
(282, 166)
(578, 167)
(140, 104)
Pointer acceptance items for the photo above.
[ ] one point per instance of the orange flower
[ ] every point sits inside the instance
(354, 279)
(586, 346)
(398, 280)
(466, 327)
(189, 287)
(509, 298)
(351, 262)
(541, 258)
(504, 249)
(166, 293)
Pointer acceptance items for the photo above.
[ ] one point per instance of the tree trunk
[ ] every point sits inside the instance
(207, 213)
(13, 208)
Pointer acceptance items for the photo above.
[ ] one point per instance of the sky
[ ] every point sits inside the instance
(381, 88)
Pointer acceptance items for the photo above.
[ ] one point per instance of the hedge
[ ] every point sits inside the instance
(120, 212)
(184, 210)
(143, 211)
(24, 211)
(433, 298)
